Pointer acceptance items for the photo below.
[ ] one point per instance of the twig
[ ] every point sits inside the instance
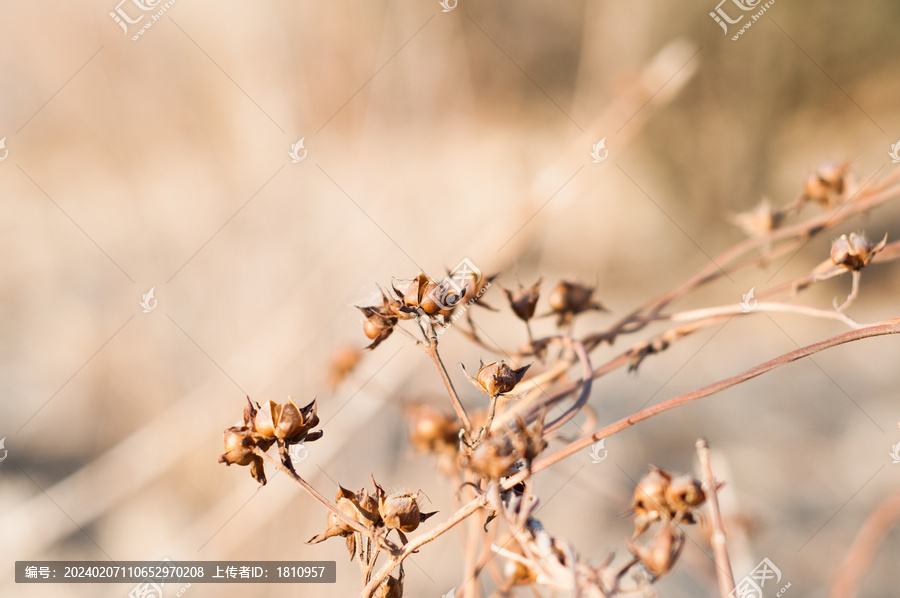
(431, 349)
(887, 327)
(697, 314)
(717, 538)
(862, 551)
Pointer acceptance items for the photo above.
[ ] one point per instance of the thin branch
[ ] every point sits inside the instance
(717, 538)
(887, 327)
(777, 307)
(431, 349)
(862, 551)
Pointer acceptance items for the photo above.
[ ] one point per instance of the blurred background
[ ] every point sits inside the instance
(163, 162)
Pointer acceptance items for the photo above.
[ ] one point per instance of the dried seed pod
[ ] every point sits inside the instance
(240, 442)
(493, 458)
(358, 506)
(431, 430)
(660, 555)
(473, 286)
(391, 587)
(497, 378)
(524, 301)
(343, 361)
(380, 320)
(570, 298)
(399, 511)
(826, 186)
(287, 423)
(760, 220)
(650, 502)
(856, 252)
(683, 494)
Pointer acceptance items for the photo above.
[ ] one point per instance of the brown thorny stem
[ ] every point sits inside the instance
(887, 327)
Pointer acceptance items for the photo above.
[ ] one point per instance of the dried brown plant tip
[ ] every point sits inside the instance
(662, 552)
(380, 320)
(497, 377)
(432, 431)
(524, 301)
(659, 495)
(759, 221)
(570, 298)
(400, 510)
(855, 252)
(358, 506)
(287, 423)
(495, 456)
(826, 186)
(239, 444)
(391, 587)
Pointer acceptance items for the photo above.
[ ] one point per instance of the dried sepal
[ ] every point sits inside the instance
(524, 301)
(855, 252)
(570, 298)
(496, 455)
(496, 378)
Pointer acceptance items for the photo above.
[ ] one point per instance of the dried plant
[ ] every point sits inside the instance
(491, 454)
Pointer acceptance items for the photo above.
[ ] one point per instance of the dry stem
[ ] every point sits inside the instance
(717, 538)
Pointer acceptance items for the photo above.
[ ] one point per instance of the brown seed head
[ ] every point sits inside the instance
(855, 252)
(287, 423)
(524, 301)
(684, 493)
(826, 186)
(431, 430)
(240, 442)
(399, 511)
(661, 554)
(760, 220)
(497, 378)
(380, 320)
(569, 298)
(650, 502)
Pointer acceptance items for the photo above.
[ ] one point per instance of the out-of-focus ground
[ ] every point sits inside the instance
(431, 136)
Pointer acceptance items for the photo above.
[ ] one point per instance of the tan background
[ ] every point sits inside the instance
(431, 136)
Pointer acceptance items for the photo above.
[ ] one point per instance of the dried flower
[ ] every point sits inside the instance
(497, 453)
(760, 220)
(826, 186)
(380, 320)
(239, 444)
(399, 511)
(360, 507)
(660, 555)
(287, 423)
(856, 252)
(660, 495)
(431, 430)
(343, 361)
(524, 301)
(497, 378)
(569, 298)
(391, 587)
(473, 286)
